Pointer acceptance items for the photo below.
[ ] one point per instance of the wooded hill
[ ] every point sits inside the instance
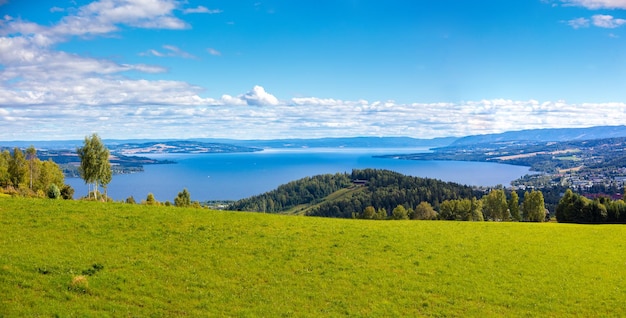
(342, 194)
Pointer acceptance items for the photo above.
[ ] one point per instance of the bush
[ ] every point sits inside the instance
(150, 200)
(54, 192)
(400, 213)
(67, 192)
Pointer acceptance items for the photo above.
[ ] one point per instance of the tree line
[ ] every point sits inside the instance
(23, 173)
(391, 195)
(575, 208)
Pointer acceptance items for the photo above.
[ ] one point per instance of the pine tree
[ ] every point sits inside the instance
(183, 199)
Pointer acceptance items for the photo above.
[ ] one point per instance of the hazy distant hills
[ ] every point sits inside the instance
(555, 134)
(211, 145)
(177, 146)
(348, 142)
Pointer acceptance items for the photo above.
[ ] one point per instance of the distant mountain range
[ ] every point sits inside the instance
(211, 145)
(347, 142)
(545, 135)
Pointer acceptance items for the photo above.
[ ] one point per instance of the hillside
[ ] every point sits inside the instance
(341, 195)
(544, 135)
(89, 259)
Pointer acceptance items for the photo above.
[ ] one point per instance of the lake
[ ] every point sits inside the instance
(235, 176)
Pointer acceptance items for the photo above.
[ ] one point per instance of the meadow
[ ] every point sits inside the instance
(91, 259)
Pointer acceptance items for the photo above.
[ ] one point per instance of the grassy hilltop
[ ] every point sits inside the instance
(76, 258)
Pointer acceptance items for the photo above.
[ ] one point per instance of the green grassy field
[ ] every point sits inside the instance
(77, 259)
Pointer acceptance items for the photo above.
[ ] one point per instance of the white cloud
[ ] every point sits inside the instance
(259, 97)
(229, 100)
(578, 23)
(607, 21)
(134, 108)
(171, 51)
(597, 4)
(202, 9)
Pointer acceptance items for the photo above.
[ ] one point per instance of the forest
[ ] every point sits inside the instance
(383, 194)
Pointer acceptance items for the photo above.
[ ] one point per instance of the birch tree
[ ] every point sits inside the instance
(95, 167)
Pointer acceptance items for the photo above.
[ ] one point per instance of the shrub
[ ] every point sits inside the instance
(400, 213)
(150, 200)
(54, 192)
(67, 192)
(131, 200)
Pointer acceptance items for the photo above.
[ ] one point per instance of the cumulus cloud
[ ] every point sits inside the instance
(607, 21)
(259, 97)
(597, 4)
(134, 108)
(34, 73)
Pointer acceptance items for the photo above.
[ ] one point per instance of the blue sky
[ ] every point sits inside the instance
(308, 69)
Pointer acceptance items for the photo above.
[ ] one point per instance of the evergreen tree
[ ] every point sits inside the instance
(183, 199)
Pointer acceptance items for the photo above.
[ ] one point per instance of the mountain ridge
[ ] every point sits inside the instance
(544, 134)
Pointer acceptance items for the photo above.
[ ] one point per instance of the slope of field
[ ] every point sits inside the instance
(60, 258)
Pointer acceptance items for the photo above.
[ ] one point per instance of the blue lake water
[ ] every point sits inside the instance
(239, 175)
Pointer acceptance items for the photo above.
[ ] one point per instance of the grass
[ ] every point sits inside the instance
(89, 259)
(569, 158)
(302, 209)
